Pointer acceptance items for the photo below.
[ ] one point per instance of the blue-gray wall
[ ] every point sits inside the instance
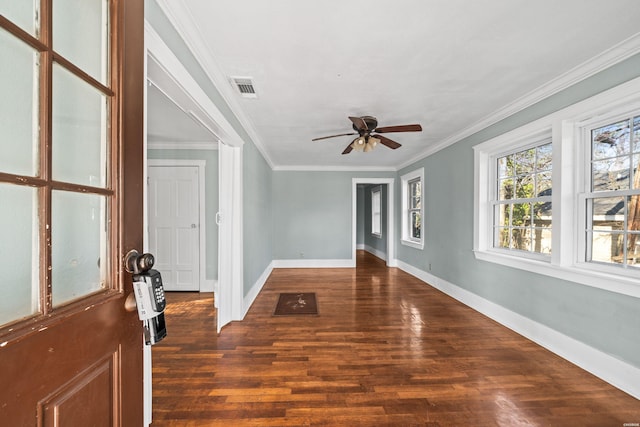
(604, 320)
(313, 213)
(256, 173)
(258, 211)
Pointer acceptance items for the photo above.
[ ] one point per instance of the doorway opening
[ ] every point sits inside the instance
(380, 243)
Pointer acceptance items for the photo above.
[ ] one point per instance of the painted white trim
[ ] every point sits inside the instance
(185, 24)
(404, 220)
(361, 246)
(375, 252)
(202, 214)
(618, 53)
(203, 145)
(255, 289)
(314, 263)
(391, 225)
(620, 374)
(568, 178)
(230, 241)
(181, 79)
(208, 286)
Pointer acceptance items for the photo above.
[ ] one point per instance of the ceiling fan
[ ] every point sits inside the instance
(366, 141)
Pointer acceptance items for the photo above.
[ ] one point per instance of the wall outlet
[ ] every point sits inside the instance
(301, 254)
(429, 266)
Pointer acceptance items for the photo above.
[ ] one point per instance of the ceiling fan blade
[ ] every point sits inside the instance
(359, 123)
(402, 128)
(333, 136)
(348, 149)
(388, 142)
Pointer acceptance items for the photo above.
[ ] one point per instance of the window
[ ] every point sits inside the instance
(522, 213)
(412, 207)
(612, 207)
(589, 155)
(56, 119)
(376, 212)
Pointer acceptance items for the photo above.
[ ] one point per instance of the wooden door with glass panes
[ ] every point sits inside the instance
(71, 85)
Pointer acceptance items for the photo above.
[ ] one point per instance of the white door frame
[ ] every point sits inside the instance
(230, 296)
(391, 236)
(180, 86)
(202, 234)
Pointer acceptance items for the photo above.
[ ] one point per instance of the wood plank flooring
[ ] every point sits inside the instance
(385, 350)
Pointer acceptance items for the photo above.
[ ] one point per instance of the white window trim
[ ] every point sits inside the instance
(569, 163)
(378, 190)
(406, 238)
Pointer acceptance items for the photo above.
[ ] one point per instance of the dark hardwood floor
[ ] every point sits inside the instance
(385, 350)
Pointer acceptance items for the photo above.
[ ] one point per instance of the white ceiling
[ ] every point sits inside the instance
(446, 64)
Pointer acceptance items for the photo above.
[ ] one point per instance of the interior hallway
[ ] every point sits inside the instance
(386, 349)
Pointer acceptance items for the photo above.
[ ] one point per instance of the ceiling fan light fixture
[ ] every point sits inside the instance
(359, 143)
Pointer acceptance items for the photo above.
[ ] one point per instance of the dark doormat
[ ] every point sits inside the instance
(296, 303)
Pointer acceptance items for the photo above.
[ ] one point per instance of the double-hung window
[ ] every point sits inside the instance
(413, 209)
(376, 212)
(522, 203)
(587, 229)
(612, 204)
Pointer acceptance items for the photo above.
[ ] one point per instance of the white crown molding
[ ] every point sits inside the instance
(618, 53)
(185, 24)
(312, 168)
(180, 81)
(202, 145)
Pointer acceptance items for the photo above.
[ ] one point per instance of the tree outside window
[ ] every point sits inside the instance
(523, 213)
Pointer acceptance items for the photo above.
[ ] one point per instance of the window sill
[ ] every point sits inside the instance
(411, 243)
(584, 274)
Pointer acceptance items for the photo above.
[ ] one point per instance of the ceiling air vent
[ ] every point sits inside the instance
(245, 86)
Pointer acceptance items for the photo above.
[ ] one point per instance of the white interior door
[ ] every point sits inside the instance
(174, 212)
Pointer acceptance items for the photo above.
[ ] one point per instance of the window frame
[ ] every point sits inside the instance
(376, 211)
(407, 238)
(570, 182)
(526, 143)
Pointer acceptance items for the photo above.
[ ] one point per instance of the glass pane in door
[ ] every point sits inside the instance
(80, 34)
(79, 130)
(18, 253)
(24, 13)
(19, 107)
(78, 242)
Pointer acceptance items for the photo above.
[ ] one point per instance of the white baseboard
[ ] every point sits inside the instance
(313, 263)
(361, 246)
(208, 286)
(376, 252)
(620, 374)
(255, 289)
